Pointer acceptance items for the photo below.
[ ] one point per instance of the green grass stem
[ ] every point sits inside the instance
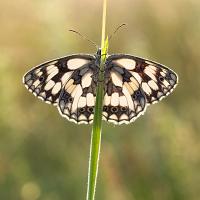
(97, 123)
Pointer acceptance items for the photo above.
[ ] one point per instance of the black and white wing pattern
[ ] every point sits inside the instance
(77, 98)
(131, 84)
(66, 83)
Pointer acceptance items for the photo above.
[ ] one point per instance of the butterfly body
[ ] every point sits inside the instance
(130, 85)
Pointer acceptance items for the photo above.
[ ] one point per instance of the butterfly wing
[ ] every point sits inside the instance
(77, 99)
(47, 80)
(64, 82)
(124, 99)
(141, 82)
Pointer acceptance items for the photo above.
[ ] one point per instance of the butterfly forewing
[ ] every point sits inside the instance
(47, 80)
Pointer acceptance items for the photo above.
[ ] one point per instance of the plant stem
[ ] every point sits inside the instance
(97, 123)
(103, 32)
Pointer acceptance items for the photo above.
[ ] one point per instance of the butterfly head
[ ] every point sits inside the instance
(98, 54)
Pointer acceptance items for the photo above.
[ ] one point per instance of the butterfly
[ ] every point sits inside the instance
(130, 84)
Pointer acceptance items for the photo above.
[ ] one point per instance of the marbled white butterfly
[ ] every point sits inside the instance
(130, 85)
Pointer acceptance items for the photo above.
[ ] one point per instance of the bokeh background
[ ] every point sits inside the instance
(45, 157)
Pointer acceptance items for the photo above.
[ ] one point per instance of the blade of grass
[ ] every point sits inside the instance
(97, 123)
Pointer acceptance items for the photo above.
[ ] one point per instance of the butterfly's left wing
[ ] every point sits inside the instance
(140, 82)
(67, 83)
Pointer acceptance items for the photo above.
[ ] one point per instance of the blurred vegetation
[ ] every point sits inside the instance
(45, 157)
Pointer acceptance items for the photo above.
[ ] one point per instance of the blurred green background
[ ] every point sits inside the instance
(45, 157)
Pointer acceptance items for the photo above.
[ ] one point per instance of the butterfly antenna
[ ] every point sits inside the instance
(116, 30)
(84, 37)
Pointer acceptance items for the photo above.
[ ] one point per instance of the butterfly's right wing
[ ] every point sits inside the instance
(122, 104)
(133, 83)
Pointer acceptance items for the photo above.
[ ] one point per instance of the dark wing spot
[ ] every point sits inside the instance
(41, 78)
(136, 94)
(70, 99)
(161, 78)
(123, 109)
(82, 110)
(114, 109)
(90, 109)
(105, 108)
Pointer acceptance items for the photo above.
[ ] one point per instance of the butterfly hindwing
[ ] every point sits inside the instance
(124, 100)
(47, 80)
(77, 99)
